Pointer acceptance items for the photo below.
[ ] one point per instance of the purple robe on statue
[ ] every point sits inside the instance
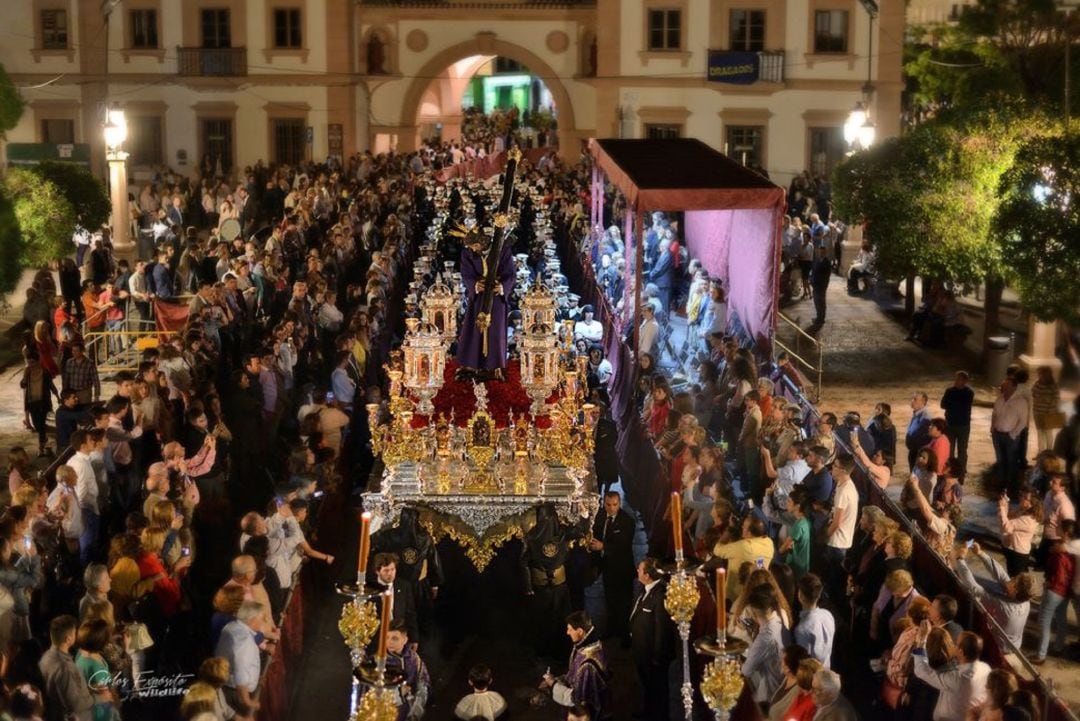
(588, 677)
(470, 349)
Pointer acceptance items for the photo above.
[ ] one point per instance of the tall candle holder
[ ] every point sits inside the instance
(379, 702)
(681, 602)
(720, 646)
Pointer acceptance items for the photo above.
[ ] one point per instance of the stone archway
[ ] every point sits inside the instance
(487, 44)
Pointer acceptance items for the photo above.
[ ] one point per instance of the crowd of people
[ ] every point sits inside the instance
(176, 526)
(184, 505)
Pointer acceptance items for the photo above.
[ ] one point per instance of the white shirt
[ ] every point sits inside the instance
(86, 486)
(647, 335)
(845, 501)
(1010, 416)
(72, 522)
(590, 330)
(961, 689)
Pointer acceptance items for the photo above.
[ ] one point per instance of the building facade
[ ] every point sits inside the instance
(282, 80)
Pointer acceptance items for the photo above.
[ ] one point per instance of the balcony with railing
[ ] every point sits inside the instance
(746, 68)
(211, 62)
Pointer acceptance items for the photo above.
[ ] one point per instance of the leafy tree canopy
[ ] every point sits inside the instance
(1038, 222)
(11, 103)
(10, 245)
(85, 192)
(45, 217)
(996, 49)
(928, 197)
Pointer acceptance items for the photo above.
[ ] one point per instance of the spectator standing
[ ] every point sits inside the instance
(918, 430)
(816, 628)
(961, 689)
(1057, 507)
(1008, 599)
(1018, 528)
(66, 694)
(957, 402)
(237, 645)
(80, 374)
(1053, 610)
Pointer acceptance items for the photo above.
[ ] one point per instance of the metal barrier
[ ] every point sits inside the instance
(121, 350)
(796, 353)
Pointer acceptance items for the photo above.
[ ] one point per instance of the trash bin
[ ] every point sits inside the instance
(998, 357)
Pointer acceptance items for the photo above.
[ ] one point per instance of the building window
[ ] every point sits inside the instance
(145, 140)
(217, 143)
(289, 141)
(54, 29)
(745, 143)
(287, 28)
(144, 35)
(662, 131)
(747, 30)
(830, 31)
(665, 30)
(826, 149)
(59, 131)
(216, 28)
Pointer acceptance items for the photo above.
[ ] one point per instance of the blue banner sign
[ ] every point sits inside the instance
(733, 67)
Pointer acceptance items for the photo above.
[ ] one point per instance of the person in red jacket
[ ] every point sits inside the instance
(155, 577)
(1060, 567)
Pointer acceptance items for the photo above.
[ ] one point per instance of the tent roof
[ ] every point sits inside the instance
(681, 174)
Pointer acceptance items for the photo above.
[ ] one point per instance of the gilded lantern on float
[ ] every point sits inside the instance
(538, 307)
(425, 363)
(539, 365)
(439, 310)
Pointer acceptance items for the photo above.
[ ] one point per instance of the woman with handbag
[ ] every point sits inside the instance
(897, 660)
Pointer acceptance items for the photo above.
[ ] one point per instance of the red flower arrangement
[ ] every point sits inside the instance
(504, 397)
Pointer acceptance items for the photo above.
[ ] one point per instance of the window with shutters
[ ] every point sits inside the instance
(830, 31)
(287, 29)
(54, 29)
(145, 142)
(60, 131)
(664, 30)
(662, 131)
(144, 29)
(747, 30)
(290, 141)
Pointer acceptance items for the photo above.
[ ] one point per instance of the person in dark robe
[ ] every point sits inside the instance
(471, 350)
(418, 563)
(403, 660)
(543, 569)
(587, 679)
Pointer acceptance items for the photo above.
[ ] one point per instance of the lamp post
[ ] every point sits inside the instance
(859, 130)
(115, 131)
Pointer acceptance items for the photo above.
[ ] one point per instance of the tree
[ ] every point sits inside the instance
(45, 217)
(995, 49)
(928, 198)
(1038, 222)
(11, 103)
(10, 246)
(85, 192)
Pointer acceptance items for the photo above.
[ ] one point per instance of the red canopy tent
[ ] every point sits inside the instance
(733, 218)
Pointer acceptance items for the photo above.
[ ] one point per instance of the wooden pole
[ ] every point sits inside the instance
(639, 265)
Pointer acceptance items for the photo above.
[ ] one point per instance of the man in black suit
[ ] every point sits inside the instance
(613, 540)
(404, 604)
(652, 640)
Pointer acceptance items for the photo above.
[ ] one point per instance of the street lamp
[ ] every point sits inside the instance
(855, 121)
(115, 132)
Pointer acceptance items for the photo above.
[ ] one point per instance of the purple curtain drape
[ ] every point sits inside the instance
(739, 248)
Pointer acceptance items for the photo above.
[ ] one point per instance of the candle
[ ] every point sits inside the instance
(384, 624)
(365, 545)
(721, 602)
(676, 523)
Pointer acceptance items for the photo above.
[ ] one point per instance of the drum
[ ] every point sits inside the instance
(229, 230)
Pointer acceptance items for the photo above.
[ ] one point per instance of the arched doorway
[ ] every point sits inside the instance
(486, 46)
(461, 104)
